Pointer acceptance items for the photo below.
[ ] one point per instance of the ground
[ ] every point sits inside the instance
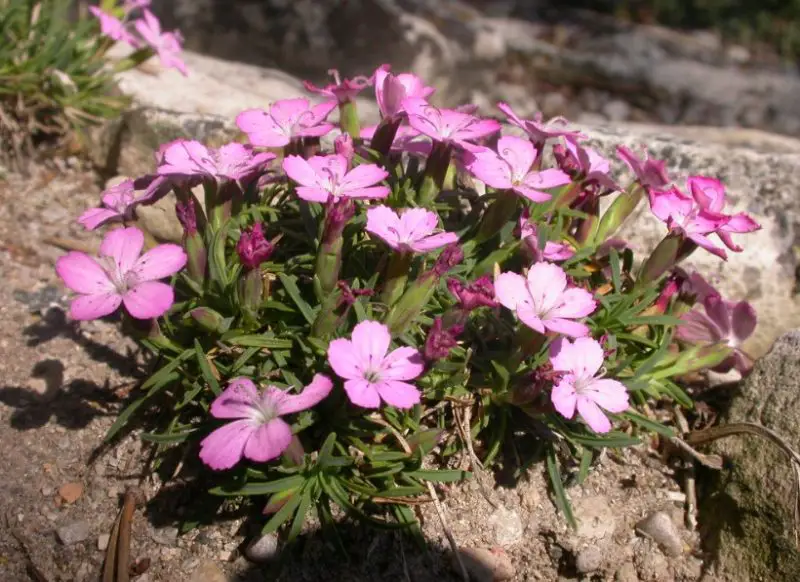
(62, 383)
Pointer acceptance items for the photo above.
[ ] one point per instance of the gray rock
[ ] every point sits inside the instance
(262, 549)
(626, 573)
(588, 560)
(166, 536)
(507, 526)
(747, 514)
(73, 532)
(485, 565)
(659, 527)
(102, 542)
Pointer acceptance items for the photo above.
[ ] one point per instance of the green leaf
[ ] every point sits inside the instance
(260, 341)
(648, 424)
(284, 513)
(440, 476)
(559, 494)
(168, 438)
(290, 284)
(275, 486)
(300, 514)
(205, 368)
(334, 490)
(326, 451)
(613, 261)
(587, 455)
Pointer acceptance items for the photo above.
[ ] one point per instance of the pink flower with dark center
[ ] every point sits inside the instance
(232, 161)
(340, 90)
(446, 125)
(552, 251)
(286, 120)
(120, 275)
(166, 44)
(721, 322)
(257, 432)
(580, 388)
(391, 90)
(113, 27)
(119, 202)
(650, 173)
(710, 195)
(253, 248)
(539, 130)
(373, 374)
(682, 215)
(440, 341)
(479, 293)
(510, 169)
(324, 177)
(411, 231)
(543, 301)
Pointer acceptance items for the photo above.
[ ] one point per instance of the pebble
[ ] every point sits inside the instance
(166, 536)
(589, 560)
(70, 492)
(73, 533)
(596, 519)
(507, 526)
(486, 565)
(659, 527)
(102, 542)
(653, 567)
(263, 549)
(48, 491)
(206, 571)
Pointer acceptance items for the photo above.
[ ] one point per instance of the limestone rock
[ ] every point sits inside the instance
(747, 513)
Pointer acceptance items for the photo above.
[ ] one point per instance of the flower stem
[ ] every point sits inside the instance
(396, 277)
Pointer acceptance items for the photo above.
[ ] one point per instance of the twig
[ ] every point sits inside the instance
(119, 544)
(690, 485)
(453, 545)
(710, 461)
(465, 431)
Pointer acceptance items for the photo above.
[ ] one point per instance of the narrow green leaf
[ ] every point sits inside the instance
(613, 260)
(284, 513)
(205, 368)
(260, 341)
(586, 462)
(275, 486)
(648, 424)
(559, 494)
(300, 514)
(290, 284)
(168, 438)
(440, 476)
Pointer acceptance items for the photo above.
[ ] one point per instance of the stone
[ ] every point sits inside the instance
(507, 526)
(262, 549)
(652, 566)
(73, 532)
(206, 571)
(626, 573)
(588, 560)
(659, 527)
(596, 519)
(70, 492)
(746, 513)
(166, 536)
(616, 110)
(486, 565)
(102, 542)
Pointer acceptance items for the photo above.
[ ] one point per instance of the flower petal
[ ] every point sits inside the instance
(312, 194)
(344, 359)
(362, 393)
(363, 176)
(149, 299)
(719, 312)
(301, 171)
(224, 447)
(124, 245)
(370, 341)
(609, 394)
(566, 327)
(583, 357)
(368, 193)
(402, 364)
(316, 391)
(593, 416)
(434, 242)
(261, 128)
(564, 398)
(159, 262)
(95, 306)
(83, 274)
(697, 327)
(517, 152)
(95, 217)
(530, 317)
(398, 394)
(384, 223)
(575, 302)
(268, 441)
(490, 169)
(238, 400)
(744, 320)
(511, 289)
(546, 284)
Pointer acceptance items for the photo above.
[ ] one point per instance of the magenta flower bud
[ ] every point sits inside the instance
(329, 256)
(440, 340)
(674, 284)
(253, 248)
(451, 256)
(343, 146)
(339, 213)
(187, 216)
(479, 293)
(208, 319)
(350, 295)
(566, 160)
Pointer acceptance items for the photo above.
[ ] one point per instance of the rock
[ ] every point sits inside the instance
(102, 542)
(589, 560)
(596, 519)
(659, 527)
(616, 110)
(166, 536)
(626, 573)
(553, 104)
(507, 526)
(48, 491)
(262, 549)
(486, 565)
(206, 571)
(70, 492)
(73, 532)
(652, 566)
(747, 513)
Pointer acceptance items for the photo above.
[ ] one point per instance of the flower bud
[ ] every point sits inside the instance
(208, 319)
(329, 256)
(622, 207)
(253, 248)
(440, 340)
(479, 293)
(663, 258)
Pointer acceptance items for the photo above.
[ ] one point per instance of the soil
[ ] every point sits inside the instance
(62, 383)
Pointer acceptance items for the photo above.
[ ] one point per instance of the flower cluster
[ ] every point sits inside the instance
(353, 291)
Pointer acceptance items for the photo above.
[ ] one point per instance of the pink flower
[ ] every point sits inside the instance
(341, 91)
(529, 234)
(372, 375)
(113, 27)
(721, 322)
(120, 275)
(412, 231)
(391, 90)
(324, 177)
(479, 293)
(510, 169)
(119, 202)
(585, 164)
(543, 301)
(539, 130)
(682, 215)
(407, 139)
(258, 431)
(650, 173)
(166, 44)
(580, 388)
(710, 195)
(446, 125)
(286, 120)
(232, 161)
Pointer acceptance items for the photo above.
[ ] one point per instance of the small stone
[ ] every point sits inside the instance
(207, 571)
(263, 549)
(653, 567)
(102, 542)
(596, 519)
(486, 565)
(589, 560)
(166, 536)
(661, 529)
(507, 525)
(73, 533)
(70, 492)
(48, 491)
(226, 555)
